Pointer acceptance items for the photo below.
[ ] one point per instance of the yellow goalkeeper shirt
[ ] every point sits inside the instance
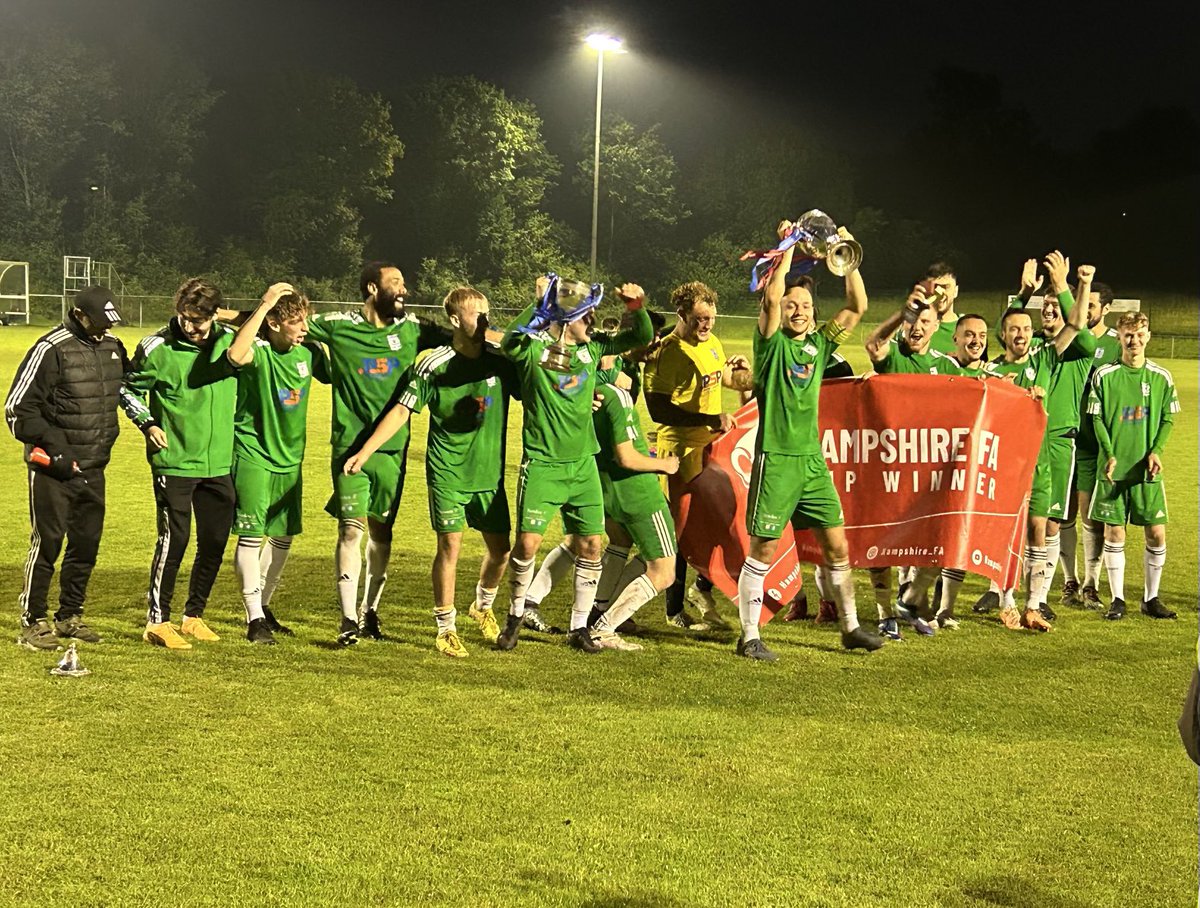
(690, 374)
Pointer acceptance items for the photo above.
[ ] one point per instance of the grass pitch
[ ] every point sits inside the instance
(978, 768)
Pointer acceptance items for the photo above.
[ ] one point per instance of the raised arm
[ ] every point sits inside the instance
(856, 295)
(881, 337)
(1031, 281)
(640, 332)
(241, 351)
(1057, 267)
(770, 313)
(514, 339)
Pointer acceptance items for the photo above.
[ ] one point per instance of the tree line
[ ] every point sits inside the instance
(299, 175)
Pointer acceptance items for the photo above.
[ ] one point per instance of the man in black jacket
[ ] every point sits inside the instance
(63, 406)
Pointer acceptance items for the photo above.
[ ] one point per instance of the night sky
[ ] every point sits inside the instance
(851, 69)
(854, 76)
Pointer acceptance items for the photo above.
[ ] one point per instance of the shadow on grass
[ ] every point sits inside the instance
(1007, 892)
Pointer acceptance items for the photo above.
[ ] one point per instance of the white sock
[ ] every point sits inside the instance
(750, 596)
(952, 581)
(245, 563)
(1114, 566)
(841, 584)
(1008, 599)
(1093, 550)
(615, 557)
(1035, 557)
(587, 575)
(634, 568)
(1052, 552)
(918, 586)
(822, 583)
(1154, 560)
(555, 566)
(445, 618)
(378, 554)
(905, 574)
(632, 598)
(348, 563)
(270, 565)
(519, 574)
(1067, 545)
(484, 598)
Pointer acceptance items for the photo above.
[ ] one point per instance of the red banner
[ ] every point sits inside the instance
(931, 470)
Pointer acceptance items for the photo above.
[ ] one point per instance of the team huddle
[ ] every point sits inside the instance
(222, 400)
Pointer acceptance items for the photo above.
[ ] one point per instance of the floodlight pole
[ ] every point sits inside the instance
(596, 158)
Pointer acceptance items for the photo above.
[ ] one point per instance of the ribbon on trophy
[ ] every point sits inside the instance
(549, 311)
(819, 240)
(768, 260)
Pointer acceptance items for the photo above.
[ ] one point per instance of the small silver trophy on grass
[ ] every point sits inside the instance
(68, 666)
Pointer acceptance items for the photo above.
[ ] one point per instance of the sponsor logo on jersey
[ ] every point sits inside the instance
(710, 378)
(379, 367)
(1133, 414)
(801, 373)
(571, 384)
(482, 404)
(290, 398)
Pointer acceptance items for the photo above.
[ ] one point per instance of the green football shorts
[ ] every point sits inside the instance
(791, 487)
(268, 503)
(1142, 503)
(1062, 473)
(453, 510)
(373, 492)
(638, 504)
(544, 489)
(1086, 469)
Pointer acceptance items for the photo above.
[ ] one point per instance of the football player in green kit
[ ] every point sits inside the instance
(1133, 405)
(466, 388)
(370, 353)
(558, 469)
(790, 481)
(1039, 371)
(1065, 398)
(270, 427)
(1087, 452)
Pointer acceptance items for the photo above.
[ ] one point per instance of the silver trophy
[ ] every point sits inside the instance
(68, 666)
(821, 240)
(569, 295)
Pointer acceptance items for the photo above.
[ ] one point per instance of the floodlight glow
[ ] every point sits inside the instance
(602, 42)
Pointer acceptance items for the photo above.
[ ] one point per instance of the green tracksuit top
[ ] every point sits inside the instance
(188, 391)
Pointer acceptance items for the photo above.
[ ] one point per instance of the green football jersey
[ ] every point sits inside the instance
(271, 424)
(1034, 369)
(902, 361)
(557, 424)
(1108, 351)
(787, 385)
(367, 365)
(1133, 411)
(631, 369)
(468, 416)
(943, 338)
(616, 422)
(1068, 382)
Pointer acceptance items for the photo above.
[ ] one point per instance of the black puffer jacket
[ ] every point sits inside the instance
(65, 395)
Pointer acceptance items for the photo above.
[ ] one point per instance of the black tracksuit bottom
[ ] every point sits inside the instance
(73, 510)
(176, 498)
